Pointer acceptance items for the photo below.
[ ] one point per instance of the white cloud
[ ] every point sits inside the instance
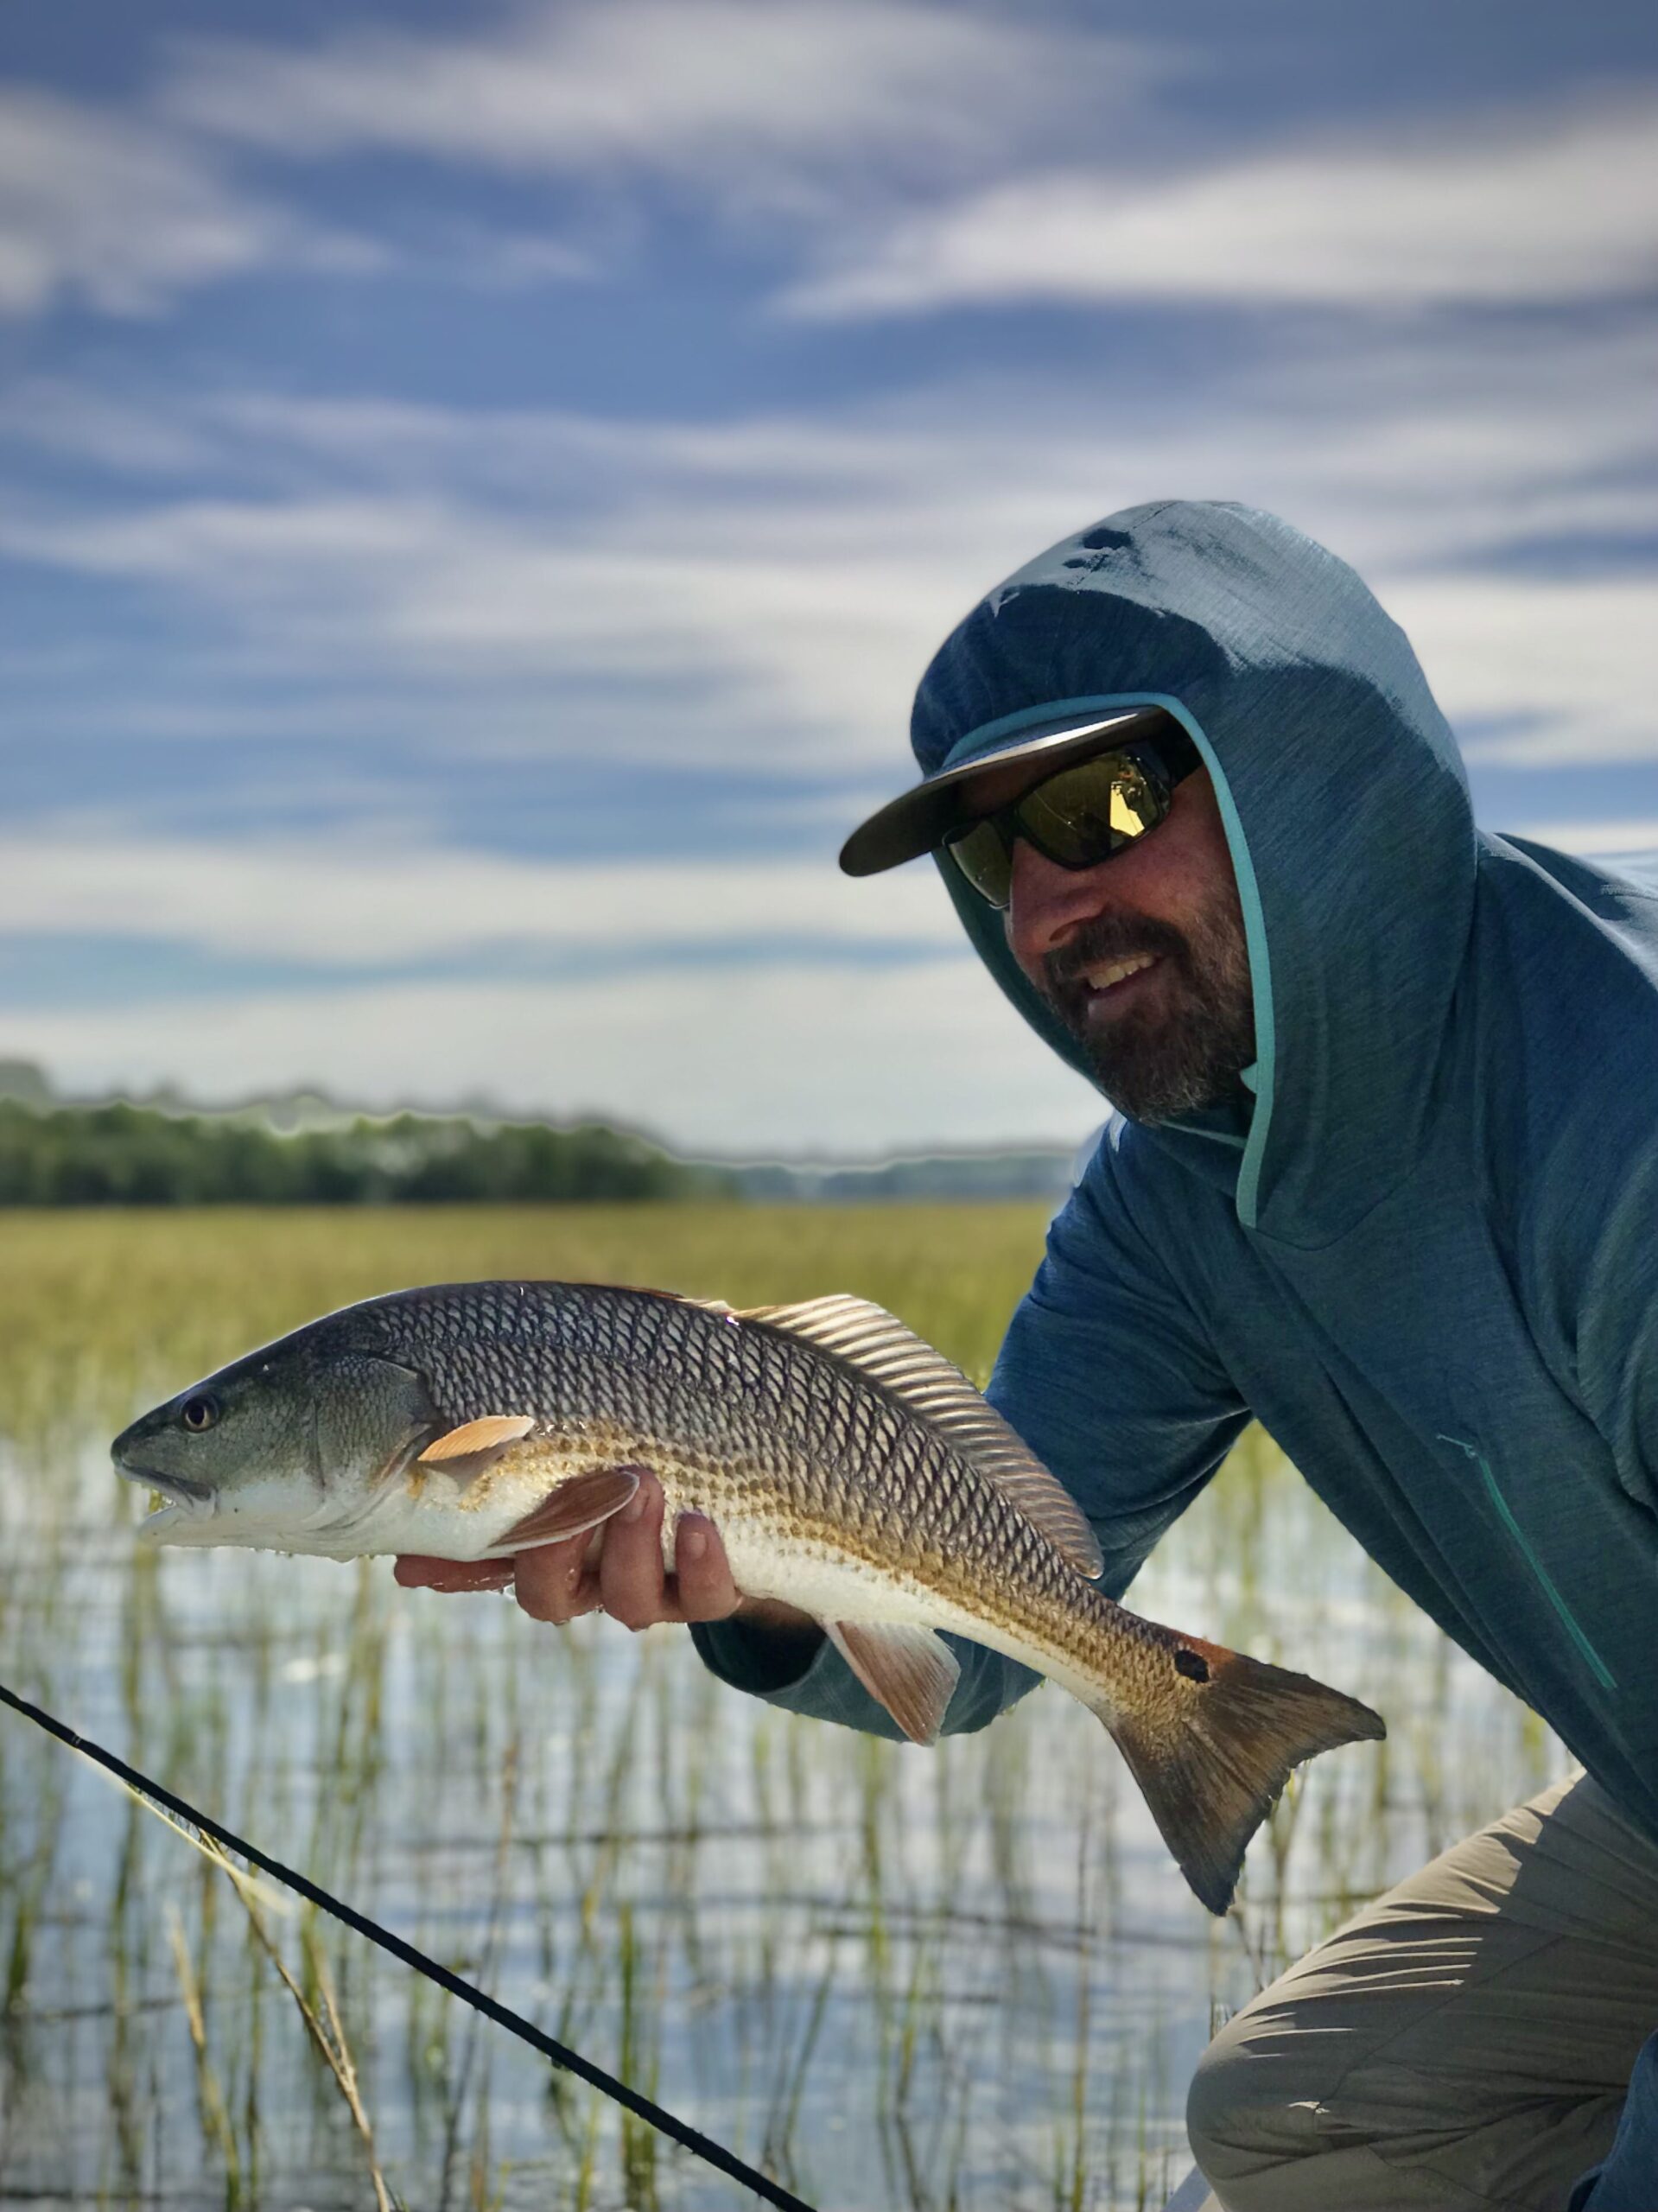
(760, 99)
(1410, 449)
(816, 1056)
(112, 211)
(1630, 838)
(1547, 207)
(1575, 656)
(762, 594)
(341, 902)
(414, 584)
(811, 648)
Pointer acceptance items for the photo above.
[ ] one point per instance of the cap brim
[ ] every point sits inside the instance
(919, 820)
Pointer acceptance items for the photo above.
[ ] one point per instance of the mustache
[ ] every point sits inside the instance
(1111, 936)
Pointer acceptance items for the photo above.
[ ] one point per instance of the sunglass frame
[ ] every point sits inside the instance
(1165, 761)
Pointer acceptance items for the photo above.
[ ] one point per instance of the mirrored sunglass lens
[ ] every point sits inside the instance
(1086, 812)
(983, 858)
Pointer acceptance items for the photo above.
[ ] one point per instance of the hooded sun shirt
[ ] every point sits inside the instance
(1425, 1253)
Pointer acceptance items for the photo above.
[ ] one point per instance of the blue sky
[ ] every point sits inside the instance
(478, 487)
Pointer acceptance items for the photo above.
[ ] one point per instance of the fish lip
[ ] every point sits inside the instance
(178, 1488)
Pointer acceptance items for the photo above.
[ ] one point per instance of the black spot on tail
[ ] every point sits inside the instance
(1192, 1664)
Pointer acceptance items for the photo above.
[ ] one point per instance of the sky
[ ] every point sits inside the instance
(478, 487)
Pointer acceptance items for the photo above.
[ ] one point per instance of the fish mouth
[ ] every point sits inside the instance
(179, 1488)
(186, 1500)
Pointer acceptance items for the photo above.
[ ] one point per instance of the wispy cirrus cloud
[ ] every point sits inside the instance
(126, 214)
(112, 212)
(418, 589)
(798, 110)
(338, 902)
(1562, 665)
(760, 593)
(453, 688)
(1633, 838)
(740, 98)
(1551, 206)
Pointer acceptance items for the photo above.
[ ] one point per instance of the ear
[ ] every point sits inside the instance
(370, 1418)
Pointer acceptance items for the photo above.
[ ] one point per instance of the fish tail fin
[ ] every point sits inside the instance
(1212, 1757)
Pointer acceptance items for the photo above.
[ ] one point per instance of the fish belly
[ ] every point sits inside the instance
(835, 1586)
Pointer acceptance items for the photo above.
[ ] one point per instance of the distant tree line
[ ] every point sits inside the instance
(132, 1155)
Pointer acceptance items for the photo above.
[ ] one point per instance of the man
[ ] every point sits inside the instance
(1386, 1178)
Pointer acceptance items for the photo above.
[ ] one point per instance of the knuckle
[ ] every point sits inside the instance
(718, 1603)
(541, 1609)
(700, 1600)
(706, 1580)
(549, 1589)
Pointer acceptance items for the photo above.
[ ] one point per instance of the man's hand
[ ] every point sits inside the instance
(557, 1582)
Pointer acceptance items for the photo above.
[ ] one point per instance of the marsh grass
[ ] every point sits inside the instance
(895, 1978)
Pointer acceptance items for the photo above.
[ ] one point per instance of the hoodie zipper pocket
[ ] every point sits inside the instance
(1597, 1665)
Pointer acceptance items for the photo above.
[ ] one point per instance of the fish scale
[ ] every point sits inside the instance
(851, 1471)
(842, 1454)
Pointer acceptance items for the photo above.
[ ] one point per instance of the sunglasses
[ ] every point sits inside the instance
(1078, 816)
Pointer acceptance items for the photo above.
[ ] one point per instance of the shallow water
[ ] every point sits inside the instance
(894, 1978)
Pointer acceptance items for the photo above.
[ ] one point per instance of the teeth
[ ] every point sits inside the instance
(1100, 979)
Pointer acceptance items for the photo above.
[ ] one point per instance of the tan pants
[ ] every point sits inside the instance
(1463, 2045)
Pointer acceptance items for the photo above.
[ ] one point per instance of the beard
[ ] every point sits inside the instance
(1155, 1063)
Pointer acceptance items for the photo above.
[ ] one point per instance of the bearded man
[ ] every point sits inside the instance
(1384, 1177)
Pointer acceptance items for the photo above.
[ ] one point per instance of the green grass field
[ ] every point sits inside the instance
(97, 1307)
(897, 1979)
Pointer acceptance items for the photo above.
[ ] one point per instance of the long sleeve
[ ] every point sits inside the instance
(1107, 1374)
(1616, 1331)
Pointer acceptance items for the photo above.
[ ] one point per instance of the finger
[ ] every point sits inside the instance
(414, 1573)
(702, 1578)
(630, 1573)
(553, 1582)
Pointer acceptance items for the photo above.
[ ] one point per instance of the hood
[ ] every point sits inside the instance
(1344, 801)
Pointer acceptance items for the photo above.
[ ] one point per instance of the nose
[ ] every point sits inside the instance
(1047, 904)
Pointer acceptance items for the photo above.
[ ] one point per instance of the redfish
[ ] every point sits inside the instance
(852, 1472)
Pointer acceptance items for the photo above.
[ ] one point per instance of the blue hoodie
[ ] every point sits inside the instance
(1423, 1254)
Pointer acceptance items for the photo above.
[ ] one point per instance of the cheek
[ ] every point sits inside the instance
(1181, 885)
(260, 1444)
(1021, 950)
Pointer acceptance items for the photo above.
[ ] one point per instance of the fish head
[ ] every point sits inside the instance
(289, 1447)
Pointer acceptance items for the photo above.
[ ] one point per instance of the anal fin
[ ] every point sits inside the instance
(911, 1671)
(581, 1503)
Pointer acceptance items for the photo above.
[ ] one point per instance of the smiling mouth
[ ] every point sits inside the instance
(1105, 978)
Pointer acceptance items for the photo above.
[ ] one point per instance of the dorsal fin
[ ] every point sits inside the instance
(880, 1347)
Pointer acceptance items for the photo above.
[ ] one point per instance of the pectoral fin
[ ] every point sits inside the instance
(581, 1503)
(467, 1450)
(911, 1671)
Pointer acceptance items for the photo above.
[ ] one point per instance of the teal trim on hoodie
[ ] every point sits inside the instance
(1442, 1220)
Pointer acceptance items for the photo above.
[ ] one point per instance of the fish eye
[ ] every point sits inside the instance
(199, 1412)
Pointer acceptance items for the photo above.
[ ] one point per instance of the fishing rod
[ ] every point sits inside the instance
(690, 2138)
